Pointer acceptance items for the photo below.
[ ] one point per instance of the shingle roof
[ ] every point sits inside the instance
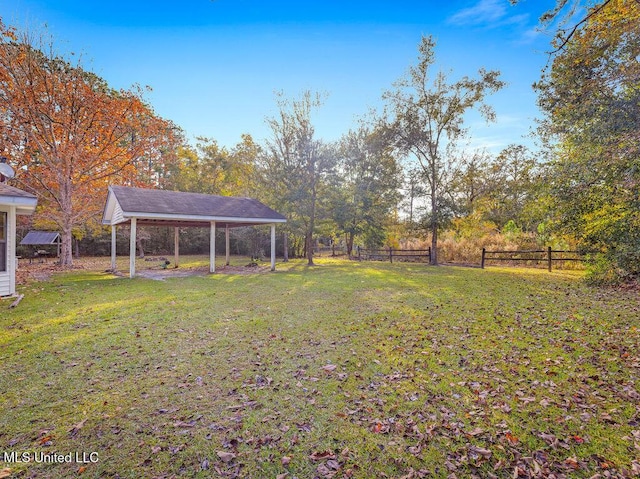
(6, 190)
(24, 202)
(171, 205)
(40, 237)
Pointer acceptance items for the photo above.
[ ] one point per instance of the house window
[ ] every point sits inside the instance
(3, 241)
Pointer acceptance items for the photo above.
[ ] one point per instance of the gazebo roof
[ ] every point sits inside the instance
(177, 208)
(24, 202)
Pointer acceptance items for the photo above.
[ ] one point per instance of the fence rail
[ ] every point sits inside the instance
(543, 255)
(390, 254)
(330, 251)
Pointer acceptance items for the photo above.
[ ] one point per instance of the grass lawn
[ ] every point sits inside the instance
(346, 369)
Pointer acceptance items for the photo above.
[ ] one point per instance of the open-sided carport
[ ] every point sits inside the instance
(141, 206)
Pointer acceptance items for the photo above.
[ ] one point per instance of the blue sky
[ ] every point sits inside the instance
(214, 65)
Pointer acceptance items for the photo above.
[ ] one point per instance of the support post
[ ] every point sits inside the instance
(549, 258)
(176, 246)
(226, 243)
(482, 260)
(113, 247)
(132, 248)
(212, 248)
(390, 254)
(273, 247)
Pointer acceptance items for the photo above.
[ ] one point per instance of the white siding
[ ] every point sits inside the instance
(118, 216)
(8, 278)
(5, 284)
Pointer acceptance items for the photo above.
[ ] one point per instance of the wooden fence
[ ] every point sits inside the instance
(333, 251)
(547, 256)
(398, 254)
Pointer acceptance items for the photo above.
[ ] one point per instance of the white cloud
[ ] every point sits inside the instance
(485, 11)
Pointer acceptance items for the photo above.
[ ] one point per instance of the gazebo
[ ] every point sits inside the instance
(13, 201)
(151, 207)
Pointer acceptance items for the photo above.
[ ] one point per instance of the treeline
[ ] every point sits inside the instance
(400, 177)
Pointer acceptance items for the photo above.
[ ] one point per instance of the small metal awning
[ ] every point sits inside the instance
(40, 238)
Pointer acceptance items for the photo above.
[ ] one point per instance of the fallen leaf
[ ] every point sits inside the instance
(286, 460)
(550, 439)
(81, 469)
(572, 462)
(486, 453)
(6, 472)
(46, 439)
(324, 471)
(511, 438)
(226, 457)
(322, 456)
(74, 429)
(329, 367)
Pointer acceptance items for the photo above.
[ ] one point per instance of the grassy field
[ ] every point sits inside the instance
(343, 370)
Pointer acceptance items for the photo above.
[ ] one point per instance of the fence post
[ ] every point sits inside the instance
(549, 258)
(429, 253)
(390, 254)
(358, 247)
(482, 261)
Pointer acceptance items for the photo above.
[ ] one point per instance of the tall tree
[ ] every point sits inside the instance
(296, 165)
(515, 175)
(212, 169)
(427, 119)
(591, 97)
(370, 178)
(70, 134)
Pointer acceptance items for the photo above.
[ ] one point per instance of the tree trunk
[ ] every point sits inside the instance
(312, 218)
(308, 242)
(434, 244)
(349, 244)
(66, 205)
(140, 247)
(434, 223)
(66, 254)
(285, 247)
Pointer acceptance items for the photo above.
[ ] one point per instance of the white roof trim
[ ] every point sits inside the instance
(24, 206)
(203, 219)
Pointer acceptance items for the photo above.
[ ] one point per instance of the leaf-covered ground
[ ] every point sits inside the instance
(345, 370)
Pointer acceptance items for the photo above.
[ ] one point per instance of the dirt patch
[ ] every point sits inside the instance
(36, 271)
(162, 274)
(249, 269)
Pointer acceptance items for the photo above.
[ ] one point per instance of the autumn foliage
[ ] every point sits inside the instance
(69, 134)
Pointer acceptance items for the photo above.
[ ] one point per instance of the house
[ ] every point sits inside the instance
(13, 201)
